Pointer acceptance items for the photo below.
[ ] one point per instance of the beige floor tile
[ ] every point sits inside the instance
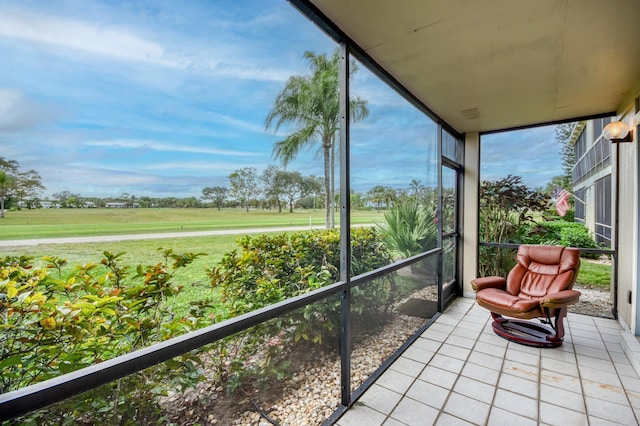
(596, 363)
(488, 348)
(603, 391)
(622, 414)
(474, 389)
(428, 393)
(486, 360)
(561, 381)
(395, 381)
(525, 371)
(463, 342)
(519, 404)
(441, 328)
(419, 355)
(426, 344)
(595, 375)
(393, 422)
(359, 415)
(438, 376)
(467, 409)
(558, 416)
(558, 354)
(568, 368)
(571, 400)
(438, 336)
(518, 385)
(599, 352)
(412, 412)
(446, 419)
(520, 357)
(380, 399)
(480, 373)
(408, 366)
(500, 417)
(447, 363)
(466, 332)
(454, 351)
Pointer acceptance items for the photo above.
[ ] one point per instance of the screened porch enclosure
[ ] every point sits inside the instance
(358, 325)
(448, 74)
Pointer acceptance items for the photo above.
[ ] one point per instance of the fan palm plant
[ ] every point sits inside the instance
(410, 228)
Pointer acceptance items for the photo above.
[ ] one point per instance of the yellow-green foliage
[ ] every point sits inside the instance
(51, 326)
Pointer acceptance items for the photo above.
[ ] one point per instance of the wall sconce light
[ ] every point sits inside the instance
(617, 131)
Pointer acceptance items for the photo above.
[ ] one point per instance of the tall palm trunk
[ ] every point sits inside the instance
(326, 145)
(333, 185)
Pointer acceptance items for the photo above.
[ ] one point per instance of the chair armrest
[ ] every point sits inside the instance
(488, 282)
(561, 299)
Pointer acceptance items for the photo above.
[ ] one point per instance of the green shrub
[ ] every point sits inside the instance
(53, 326)
(271, 268)
(569, 216)
(560, 232)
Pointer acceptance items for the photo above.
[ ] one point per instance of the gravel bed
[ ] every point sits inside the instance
(593, 301)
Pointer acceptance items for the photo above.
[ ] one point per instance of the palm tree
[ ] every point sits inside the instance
(311, 103)
(416, 187)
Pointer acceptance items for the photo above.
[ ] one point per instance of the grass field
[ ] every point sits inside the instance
(193, 278)
(51, 223)
(595, 274)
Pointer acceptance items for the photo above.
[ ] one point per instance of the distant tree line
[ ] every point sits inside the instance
(273, 189)
(18, 185)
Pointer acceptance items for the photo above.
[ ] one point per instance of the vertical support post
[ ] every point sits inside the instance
(439, 215)
(616, 233)
(345, 230)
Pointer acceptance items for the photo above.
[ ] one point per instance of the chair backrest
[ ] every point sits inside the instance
(543, 270)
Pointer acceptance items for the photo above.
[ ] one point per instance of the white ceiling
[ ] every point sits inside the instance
(496, 64)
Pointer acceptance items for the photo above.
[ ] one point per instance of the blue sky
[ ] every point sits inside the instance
(163, 98)
(533, 154)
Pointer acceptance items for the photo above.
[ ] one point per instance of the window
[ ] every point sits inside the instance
(603, 211)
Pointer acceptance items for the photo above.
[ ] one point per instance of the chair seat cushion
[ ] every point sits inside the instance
(501, 302)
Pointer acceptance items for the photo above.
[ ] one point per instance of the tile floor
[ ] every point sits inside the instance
(460, 373)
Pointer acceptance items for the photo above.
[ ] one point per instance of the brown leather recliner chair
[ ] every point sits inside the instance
(539, 286)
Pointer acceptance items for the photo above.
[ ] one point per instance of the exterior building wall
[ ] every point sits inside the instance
(627, 157)
(622, 170)
(591, 167)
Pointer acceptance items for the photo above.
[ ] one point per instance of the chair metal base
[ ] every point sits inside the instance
(529, 333)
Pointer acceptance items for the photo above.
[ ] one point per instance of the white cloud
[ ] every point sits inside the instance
(216, 58)
(85, 36)
(195, 165)
(166, 147)
(18, 113)
(234, 122)
(249, 71)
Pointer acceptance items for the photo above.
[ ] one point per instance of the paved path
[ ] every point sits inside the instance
(127, 237)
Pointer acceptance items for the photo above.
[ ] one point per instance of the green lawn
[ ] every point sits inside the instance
(193, 278)
(45, 223)
(51, 223)
(594, 274)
